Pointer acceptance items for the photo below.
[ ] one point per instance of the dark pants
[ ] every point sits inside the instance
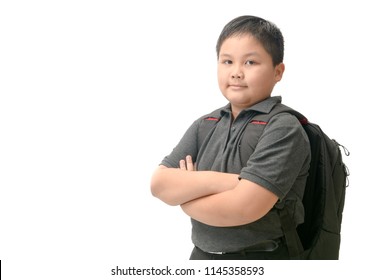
(280, 253)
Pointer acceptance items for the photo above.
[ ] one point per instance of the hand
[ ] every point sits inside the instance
(187, 164)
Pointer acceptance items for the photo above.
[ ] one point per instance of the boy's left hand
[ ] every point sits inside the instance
(187, 164)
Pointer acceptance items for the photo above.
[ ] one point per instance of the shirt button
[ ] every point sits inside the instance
(233, 128)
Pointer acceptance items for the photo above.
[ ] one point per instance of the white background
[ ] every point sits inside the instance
(93, 94)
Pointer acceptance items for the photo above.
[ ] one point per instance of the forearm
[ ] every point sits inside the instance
(175, 186)
(244, 204)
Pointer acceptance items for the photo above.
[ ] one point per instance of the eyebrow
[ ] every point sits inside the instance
(245, 55)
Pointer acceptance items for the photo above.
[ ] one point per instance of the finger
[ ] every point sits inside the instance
(182, 164)
(189, 163)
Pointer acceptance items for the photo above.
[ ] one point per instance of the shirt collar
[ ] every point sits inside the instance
(264, 106)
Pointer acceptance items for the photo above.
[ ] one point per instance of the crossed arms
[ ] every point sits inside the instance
(213, 198)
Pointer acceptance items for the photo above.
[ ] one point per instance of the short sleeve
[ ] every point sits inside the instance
(186, 146)
(280, 157)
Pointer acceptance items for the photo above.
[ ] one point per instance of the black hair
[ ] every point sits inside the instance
(267, 33)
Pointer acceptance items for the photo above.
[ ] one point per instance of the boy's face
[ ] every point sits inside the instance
(246, 74)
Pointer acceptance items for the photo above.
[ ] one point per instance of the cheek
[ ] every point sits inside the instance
(260, 78)
(221, 78)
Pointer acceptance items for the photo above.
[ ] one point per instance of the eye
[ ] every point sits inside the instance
(226, 61)
(250, 62)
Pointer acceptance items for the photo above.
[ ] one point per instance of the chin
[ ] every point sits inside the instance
(237, 100)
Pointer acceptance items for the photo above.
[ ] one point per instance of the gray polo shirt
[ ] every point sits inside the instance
(279, 162)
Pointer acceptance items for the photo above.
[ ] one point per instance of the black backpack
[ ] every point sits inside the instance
(319, 236)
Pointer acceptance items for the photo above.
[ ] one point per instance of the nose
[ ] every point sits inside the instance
(237, 76)
(237, 73)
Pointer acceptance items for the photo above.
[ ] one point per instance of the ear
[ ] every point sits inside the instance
(279, 70)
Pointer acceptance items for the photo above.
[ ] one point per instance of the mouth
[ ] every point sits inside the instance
(237, 86)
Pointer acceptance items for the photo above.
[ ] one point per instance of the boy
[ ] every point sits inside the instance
(233, 207)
